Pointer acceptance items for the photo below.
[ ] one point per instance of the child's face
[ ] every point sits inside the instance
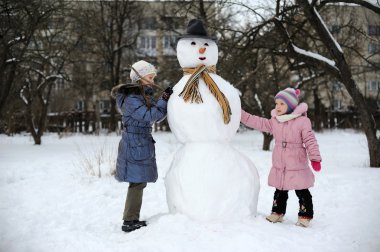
(281, 107)
(150, 78)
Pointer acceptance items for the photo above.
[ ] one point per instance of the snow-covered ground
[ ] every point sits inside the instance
(49, 201)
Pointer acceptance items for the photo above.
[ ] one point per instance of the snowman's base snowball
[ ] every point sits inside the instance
(212, 181)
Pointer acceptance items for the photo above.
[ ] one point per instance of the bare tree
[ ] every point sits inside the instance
(339, 68)
(19, 22)
(116, 28)
(42, 67)
(320, 51)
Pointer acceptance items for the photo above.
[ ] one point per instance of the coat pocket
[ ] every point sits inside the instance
(141, 150)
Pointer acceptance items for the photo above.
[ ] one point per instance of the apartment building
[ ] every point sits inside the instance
(357, 30)
(151, 32)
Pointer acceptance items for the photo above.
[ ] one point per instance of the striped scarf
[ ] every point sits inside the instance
(191, 89)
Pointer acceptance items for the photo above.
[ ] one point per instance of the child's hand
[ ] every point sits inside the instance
(167, 93)
(169, 90)
(316, 165)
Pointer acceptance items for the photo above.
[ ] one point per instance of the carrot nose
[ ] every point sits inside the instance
(202, 50)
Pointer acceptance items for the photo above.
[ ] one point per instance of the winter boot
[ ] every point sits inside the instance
(129, 226)
(303, 221)
(275, 217)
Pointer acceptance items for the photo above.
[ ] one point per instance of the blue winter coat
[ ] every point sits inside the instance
(136, 160)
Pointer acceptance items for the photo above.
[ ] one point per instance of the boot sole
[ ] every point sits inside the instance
(130, 229)
(279, 220)
(300, 224)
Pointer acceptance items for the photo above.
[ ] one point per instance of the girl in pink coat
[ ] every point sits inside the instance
(295, 143)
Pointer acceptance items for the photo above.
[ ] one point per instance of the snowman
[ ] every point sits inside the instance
(208, 179)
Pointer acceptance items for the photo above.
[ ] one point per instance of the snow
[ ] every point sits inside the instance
(24, 99)
(373, 2)
(50, 203)
(327, 30)
(54, 76)
(315, 56)
(15, 40)
(11, 60)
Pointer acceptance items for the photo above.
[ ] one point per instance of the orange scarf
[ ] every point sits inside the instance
(191, 89)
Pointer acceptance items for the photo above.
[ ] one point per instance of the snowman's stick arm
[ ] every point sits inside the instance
(151, 83)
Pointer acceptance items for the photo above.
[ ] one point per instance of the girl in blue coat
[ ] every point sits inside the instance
(136, 160)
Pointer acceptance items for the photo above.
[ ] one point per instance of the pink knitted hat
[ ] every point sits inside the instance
(290, 97)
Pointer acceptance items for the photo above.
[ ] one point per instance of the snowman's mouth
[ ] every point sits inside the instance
(202, 58)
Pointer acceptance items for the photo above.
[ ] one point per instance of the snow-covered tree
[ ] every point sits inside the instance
(42, 66)
(317, 50)
(19, 22)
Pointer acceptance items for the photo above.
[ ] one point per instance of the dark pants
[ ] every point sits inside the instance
(134, 201)
(304, 198)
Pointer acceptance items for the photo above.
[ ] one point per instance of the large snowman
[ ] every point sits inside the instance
(208, 179)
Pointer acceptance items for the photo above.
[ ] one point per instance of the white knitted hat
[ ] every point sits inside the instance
(143, 68)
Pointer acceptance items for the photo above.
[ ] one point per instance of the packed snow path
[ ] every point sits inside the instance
(49, 202)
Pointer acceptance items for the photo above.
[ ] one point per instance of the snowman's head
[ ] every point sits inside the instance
(192, 52)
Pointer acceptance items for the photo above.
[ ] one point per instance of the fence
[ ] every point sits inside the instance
(86, 122)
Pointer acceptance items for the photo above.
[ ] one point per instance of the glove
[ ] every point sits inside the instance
(316, 165)
(167, 92)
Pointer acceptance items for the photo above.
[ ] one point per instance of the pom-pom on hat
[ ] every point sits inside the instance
(143, 68)
(290, 97)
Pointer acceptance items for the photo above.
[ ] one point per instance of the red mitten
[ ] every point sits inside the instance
(316, 165)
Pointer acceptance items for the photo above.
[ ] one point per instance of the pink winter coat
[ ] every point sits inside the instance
(294, 144)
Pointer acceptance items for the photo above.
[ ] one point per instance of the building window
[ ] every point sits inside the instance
(59, 84)
(169, 41)
(373, 85)
(337, 104)
(337, 86)
(56, 23)
(373, 48)
(374, 30)
(147, 42)
(104, 106)
(79, 105)
(174, 22)
(149, 23)
(152, 42)
(142, 42)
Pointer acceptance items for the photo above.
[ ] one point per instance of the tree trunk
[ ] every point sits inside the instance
(30, 125)
(5, 87)
(113, 116)
(367, 119)
(317, 111)
(267, 140)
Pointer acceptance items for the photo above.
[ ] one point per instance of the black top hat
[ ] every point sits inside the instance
(196, 29)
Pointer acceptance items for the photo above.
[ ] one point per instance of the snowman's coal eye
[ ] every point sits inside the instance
(193, 43)
(206, 44)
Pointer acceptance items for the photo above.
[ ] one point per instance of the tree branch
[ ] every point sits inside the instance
(293, 53)
(363, 3)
